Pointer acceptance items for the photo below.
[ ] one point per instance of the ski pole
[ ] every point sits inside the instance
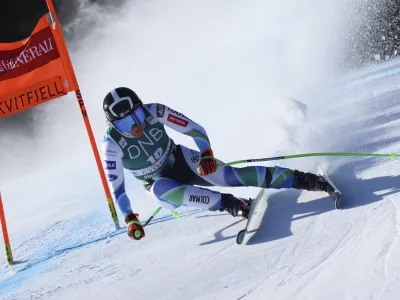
(155, 213)
(137, 233)
(393, 155)
(152, 216)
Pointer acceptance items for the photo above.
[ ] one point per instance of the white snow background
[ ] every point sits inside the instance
(261, 77)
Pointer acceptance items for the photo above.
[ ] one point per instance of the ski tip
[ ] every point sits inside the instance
(337, 202)
(240, 236)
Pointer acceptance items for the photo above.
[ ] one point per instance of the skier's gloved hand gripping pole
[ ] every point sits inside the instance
(135, 228)
(208, 163)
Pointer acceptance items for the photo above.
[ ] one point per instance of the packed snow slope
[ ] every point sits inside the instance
(243, 72)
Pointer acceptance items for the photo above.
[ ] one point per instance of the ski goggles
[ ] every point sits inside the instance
(136, 117)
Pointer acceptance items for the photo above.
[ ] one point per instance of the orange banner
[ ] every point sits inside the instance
(36, 69)
(34, 95)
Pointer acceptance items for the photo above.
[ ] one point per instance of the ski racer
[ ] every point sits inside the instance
(175, 175)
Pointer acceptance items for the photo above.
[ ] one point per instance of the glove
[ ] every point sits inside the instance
(135, 229)
(207, 165)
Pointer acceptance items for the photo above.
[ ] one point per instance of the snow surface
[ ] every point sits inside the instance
(267, 72)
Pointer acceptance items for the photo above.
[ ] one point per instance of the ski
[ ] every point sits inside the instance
(333, 191)
(258, 207)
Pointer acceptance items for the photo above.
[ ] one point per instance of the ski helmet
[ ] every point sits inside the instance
(119, 103)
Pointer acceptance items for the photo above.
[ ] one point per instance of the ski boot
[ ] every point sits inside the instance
(309, 182)
(235, 206)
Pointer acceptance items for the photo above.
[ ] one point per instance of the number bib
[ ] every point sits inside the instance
(146, 156)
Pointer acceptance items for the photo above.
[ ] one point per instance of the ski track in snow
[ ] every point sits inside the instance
(388, 252)
(75, 237)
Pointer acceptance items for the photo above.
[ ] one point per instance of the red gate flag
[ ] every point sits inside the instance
(36, 69)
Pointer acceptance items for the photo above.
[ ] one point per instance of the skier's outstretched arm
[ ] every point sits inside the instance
(115, 174)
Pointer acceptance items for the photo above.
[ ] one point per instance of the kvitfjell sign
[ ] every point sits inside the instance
(34, 70)
(32, 96)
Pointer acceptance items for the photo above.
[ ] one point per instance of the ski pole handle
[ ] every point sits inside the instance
(137, 233)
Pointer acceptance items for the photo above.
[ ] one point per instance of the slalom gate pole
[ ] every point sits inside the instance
(72, 82)
(5, 234)
(111, 205)
(393, 155)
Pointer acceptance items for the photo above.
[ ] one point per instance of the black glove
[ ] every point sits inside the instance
(135, 228)
(207, 165)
